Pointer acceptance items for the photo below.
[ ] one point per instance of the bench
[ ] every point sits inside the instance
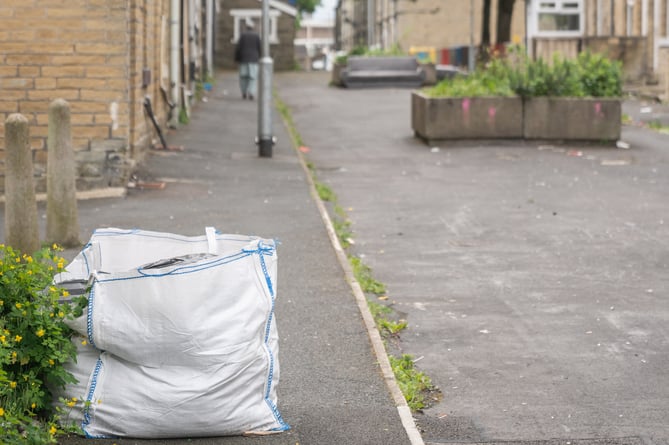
(385, 71)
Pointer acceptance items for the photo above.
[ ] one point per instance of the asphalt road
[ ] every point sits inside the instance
(534, 276)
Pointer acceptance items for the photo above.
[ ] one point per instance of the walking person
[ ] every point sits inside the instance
(247, 55)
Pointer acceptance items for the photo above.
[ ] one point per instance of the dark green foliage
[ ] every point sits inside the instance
(589, 75)
(307, 5)
(600, 76)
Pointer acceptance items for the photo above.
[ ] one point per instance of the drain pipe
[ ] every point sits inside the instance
(210, 37)
(175, 56)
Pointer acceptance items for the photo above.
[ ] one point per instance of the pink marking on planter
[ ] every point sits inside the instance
(492, 111)
(465, 110)
(598, 109)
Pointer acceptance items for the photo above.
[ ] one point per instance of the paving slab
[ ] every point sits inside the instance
(331, 389)
(534, 277)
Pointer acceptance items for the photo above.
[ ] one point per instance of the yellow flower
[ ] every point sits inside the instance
(18, 339)
(12, 385)
(33, 405)
(52, 430)
(84, 342)
(71, 402)
(18, 260)
(51, 362)
(40, 332)
(61, 314)
(2, 412)
(66, 293)
(29, 259)
(3, 339)
(60, 264)
(54, 246)
(18, 305)
(2, 303)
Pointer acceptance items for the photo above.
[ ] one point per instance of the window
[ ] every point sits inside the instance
(242, 15)
(558, 18)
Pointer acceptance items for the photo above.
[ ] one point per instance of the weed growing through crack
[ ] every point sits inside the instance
(415, 385)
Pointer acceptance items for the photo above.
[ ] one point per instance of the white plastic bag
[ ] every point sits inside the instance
(187, 345)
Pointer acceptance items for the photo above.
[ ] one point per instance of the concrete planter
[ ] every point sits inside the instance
(466, 118)
(584, 119)
(430, 70)
(337, 67)
(567, 118)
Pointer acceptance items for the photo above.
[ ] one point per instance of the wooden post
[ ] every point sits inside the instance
(21, 228)
(62, 222)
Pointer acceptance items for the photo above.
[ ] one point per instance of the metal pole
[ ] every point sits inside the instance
(471, 36)
(265, 140)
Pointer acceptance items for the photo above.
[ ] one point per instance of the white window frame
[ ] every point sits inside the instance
(559, 8)
(241, 15)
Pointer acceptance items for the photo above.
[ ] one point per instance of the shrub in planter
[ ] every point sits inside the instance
(549, 95)
(589, 75)
(600, 76)
(34, 345)
(477, 106)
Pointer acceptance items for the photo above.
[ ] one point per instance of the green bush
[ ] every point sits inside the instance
(588, 75)
(600, 76)
(34, 344)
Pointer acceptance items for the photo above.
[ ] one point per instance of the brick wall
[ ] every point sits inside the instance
(90, 53)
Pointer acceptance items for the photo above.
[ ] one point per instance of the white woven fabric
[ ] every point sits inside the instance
(186, 345)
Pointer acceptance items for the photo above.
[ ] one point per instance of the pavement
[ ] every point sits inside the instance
(533, 276)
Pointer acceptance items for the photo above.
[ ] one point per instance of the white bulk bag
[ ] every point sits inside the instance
(113, 250)
(190, 342)
(121, 399)
(187, 313)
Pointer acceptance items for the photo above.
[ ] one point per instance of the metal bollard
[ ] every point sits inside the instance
(21, 228)
(62, 220)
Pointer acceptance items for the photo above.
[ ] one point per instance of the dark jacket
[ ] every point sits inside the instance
(247, 49)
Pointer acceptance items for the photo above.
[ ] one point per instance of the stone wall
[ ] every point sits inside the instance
(92, 54)
(282, 53)
(426, 23)
(631, 51)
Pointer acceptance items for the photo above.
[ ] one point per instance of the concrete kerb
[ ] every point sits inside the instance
(370, 325)
(107, 192)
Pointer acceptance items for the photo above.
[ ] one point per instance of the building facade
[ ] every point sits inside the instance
(282, 28)
(633, 31)
(108, 59)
